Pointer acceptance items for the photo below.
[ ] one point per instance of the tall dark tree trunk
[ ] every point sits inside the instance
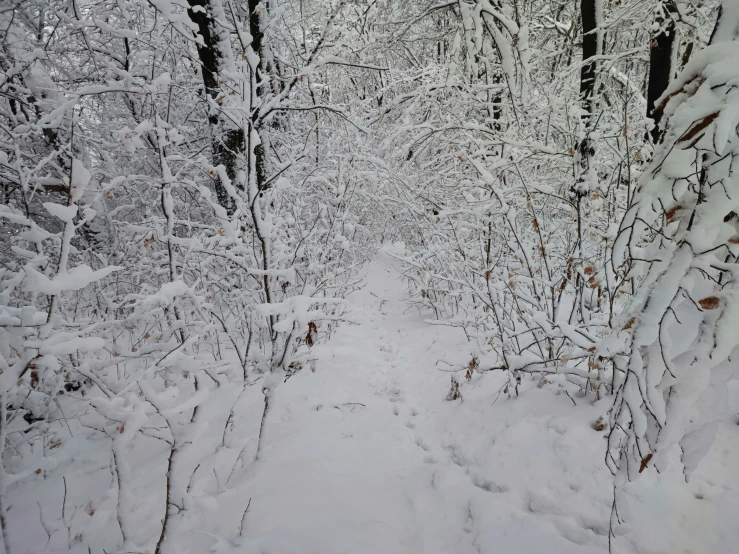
(262, 80)
(660, 63)
(686, 55)
(227, 142)
(587, 86)
(589, 51)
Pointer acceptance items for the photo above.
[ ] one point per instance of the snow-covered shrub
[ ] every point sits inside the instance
(138, 304)
(679, 238)
(510, 232)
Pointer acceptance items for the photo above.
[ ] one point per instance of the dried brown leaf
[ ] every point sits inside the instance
(644, 462)
(697, 127)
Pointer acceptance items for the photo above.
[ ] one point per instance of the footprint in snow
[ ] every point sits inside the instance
(395, 395)
(473, 471)
(487, 485)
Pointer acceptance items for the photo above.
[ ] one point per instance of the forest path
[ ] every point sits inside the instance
(365, 455)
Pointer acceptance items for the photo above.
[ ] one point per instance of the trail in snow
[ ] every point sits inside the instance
(365, 455)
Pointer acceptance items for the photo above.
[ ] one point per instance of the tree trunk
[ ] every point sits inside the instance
(660, 63)
(589, 51)
(590, 37)
(227, 142)
(262, 80)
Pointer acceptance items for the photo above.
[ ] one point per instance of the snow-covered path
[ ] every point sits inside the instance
(365, 455)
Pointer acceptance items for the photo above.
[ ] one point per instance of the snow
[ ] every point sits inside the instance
(361, 453)
(80, 179)
(366, 456)
(62, 344)
(74, 279)
(728, 23)
(65, 213)
(295, 310)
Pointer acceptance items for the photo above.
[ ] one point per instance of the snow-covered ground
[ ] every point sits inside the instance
(365, 455)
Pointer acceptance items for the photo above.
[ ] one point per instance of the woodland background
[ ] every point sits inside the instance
(189, 188)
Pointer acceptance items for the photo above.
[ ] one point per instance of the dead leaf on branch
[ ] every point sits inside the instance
(644, 462)
(709, 302)
(697, 127)
(600, 424)
(671, 213)
(312, 329)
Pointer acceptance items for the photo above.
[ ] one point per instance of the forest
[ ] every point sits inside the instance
(362, 276)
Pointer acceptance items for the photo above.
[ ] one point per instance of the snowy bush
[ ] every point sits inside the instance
(679, 238)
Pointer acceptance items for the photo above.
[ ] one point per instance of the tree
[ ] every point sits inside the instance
(661, 55)
(679, 346)
(217, 68)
